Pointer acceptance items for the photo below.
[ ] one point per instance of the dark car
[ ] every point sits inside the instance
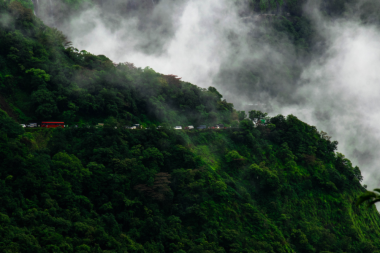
(202, 127)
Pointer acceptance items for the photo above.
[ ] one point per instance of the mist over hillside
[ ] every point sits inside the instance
(320, 63)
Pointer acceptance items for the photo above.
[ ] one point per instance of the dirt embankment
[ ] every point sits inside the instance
(7, 108)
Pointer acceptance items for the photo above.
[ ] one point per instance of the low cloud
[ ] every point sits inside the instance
(189, 40)
(341, 93)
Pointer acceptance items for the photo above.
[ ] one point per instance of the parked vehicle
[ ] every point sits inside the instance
(135, 126)
(52, 124)
(32, 125)
(190, 127)
(178, 127)
(202, 127)
(23, 125)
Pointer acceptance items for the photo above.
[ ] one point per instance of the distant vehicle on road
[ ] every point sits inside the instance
(190, 127)
(135, 126)
(219, 126)
(52, 124)
(23, 125)
(178, 127)
(32, 125)
(202, 127)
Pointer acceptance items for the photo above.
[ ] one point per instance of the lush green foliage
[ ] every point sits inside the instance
(371, 197)
(256, 190)
(277, 187)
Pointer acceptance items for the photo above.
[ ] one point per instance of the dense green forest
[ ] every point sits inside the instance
(275, 187)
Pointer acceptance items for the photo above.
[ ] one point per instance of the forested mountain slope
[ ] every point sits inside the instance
(45, 80)
(279, 187)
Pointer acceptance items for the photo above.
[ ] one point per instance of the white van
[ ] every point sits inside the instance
(178, 127)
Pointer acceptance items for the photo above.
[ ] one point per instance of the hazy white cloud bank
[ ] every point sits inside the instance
(341, 93)
(194, 39)
(193, 50)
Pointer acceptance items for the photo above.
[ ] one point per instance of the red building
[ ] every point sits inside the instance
(52, 124)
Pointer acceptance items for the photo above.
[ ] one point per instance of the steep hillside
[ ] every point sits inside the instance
(277, 187)
(43, 78)
(267, 189)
